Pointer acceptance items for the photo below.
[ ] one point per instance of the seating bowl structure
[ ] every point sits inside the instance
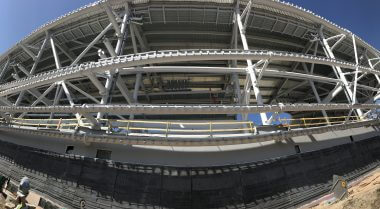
(188, 104)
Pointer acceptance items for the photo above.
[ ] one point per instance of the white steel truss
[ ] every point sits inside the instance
(131, 81)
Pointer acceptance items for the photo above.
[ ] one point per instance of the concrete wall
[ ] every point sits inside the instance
(195, 156)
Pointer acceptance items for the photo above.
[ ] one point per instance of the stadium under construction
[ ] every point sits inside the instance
(188, 104)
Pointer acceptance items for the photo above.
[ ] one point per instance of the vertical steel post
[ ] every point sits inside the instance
(55, 53)
(339, 73)
(251, 72)
(113, 53)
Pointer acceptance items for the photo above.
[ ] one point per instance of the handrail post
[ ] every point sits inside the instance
(59, 124)
(210, 129)
(78, 124)
(128, 127)
(250, 126)
(167, 129)
(109, 126)
(304, 122)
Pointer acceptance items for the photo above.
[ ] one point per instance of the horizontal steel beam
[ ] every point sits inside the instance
(187, 109)
(169, 56)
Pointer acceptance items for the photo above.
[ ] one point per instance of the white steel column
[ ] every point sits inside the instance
(58, 92)
(251, 72)
(338, 72)
(64, 50)
(356, 70)
(109, 47)
(143, 43)
(234, 45)
(138, 75)
(71, 101)
(112, 18)
(39, 55)
(113, 52)
(124, 25)
(55, 53)
(91, 44)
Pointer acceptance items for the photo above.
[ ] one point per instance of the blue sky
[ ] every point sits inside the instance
(19, 17)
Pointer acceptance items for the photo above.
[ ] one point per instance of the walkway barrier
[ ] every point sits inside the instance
(317, 121)
(142, 126)
(176, 128)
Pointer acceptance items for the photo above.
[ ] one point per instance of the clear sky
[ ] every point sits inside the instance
(19, 17)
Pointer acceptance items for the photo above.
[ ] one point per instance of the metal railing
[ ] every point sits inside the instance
(165, 128)
(140, 126)
(317, 121)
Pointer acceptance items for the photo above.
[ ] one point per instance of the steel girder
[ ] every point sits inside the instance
(184, 109)
(158, 57)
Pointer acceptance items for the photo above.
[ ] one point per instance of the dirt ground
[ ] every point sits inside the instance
(2, 202)
(364, 195)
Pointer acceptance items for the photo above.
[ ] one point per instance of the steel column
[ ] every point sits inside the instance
(251, 71)
(91, 44)
(109, 74)
(55, 54)
(112, 18)
(339, 73)
(39, 54)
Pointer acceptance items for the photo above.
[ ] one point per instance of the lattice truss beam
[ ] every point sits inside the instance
(95, 71)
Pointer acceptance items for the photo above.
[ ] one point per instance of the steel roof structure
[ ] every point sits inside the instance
(209, 60)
